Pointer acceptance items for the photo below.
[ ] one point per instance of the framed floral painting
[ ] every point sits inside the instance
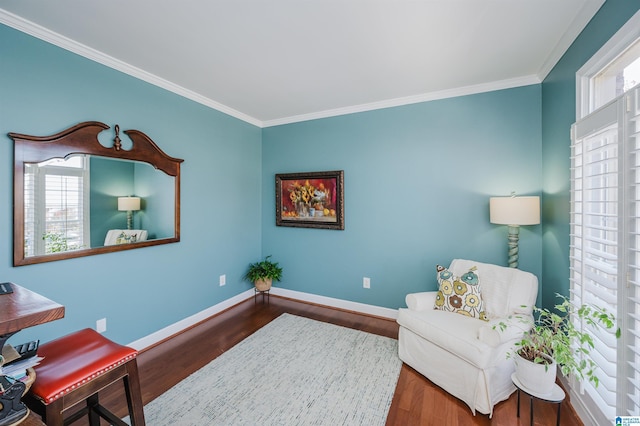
(310, 200)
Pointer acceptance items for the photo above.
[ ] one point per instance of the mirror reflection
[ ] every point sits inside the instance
(88, 201)
(74, 196)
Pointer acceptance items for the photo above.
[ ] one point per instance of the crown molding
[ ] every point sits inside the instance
(582, 19)
(73, 46)
(408, 100)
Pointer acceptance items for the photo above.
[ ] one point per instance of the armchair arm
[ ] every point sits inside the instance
(501, 330)
(421, 301)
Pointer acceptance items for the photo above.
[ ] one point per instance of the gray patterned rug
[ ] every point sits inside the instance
(293, 371)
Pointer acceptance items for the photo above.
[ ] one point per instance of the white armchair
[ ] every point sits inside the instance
(124, 236)
(466, 356)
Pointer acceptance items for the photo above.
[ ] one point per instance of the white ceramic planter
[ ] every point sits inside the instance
(537, 378)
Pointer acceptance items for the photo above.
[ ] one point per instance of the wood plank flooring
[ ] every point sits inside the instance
(416, 401)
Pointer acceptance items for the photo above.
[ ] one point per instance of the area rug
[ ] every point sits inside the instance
(293, 371)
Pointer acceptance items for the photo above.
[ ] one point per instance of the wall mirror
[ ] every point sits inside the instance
(75, 197)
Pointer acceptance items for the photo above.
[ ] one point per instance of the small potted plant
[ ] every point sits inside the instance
(262, 273)
(555, 341)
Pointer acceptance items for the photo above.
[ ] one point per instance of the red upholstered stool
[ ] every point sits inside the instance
(74, 369)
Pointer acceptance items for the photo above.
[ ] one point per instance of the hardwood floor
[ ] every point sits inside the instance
(416, 401)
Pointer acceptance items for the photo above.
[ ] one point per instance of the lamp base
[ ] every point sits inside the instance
(513, 237)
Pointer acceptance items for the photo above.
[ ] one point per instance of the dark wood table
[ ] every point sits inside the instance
(22, 309)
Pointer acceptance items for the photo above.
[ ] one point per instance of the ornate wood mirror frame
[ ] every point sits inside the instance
(83, 139)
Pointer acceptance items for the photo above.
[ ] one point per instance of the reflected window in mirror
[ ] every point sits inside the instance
(56, 205)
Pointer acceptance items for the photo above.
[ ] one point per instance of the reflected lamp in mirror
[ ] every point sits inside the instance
(129, 204)
(514, 212)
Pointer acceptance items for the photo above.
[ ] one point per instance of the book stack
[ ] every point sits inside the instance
(17, 361)
(14, 382)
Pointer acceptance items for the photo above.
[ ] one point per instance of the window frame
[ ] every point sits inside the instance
(627, 35)
(39, 204)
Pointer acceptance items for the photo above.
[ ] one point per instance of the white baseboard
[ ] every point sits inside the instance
(184, 324)
(337, 303)
(181, 325)
(581, 410)
(584, 412)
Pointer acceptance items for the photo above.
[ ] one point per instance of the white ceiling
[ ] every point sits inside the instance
(281, 61)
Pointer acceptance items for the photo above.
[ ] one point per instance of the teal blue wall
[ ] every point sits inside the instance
(112, 178)
(156, 191)
(45, 89)
(558, 113)
(108, 179)
(417, 184)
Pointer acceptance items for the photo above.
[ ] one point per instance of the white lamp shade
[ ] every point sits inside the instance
(128, 203)
(514, 210)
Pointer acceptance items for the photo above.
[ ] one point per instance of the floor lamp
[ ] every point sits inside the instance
(129, 204)
(514, 212)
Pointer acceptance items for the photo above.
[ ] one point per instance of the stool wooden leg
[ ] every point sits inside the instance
(53, 413)
(134, 394)
(92, 403)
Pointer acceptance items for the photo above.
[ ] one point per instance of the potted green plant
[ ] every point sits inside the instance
(555, 341)
(262, 273)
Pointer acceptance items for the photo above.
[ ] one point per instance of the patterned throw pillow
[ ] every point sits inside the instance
(460, 294)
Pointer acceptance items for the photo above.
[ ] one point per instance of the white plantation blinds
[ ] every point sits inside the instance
(56, 206)
(605, 248)
(594, 238)
(29, 211)
(631, 288)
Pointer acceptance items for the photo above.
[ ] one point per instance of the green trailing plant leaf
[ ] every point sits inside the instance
(555, 334)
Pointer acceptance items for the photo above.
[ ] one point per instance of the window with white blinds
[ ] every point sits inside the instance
(605, 249)
(56, 206)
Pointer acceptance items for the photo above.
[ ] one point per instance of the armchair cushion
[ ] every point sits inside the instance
(124, 236)
(459, 294)
(455, 333)
(505, 291)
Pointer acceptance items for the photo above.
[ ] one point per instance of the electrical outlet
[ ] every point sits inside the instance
(366, 282)
(223, 280)
(101, 325)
